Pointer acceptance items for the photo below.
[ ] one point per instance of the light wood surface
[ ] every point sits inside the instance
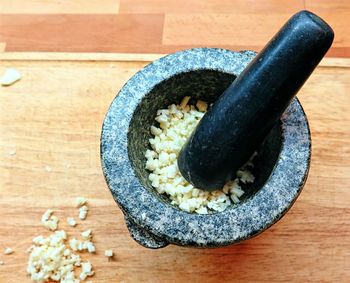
(53, 117)
(59, 7)
(158, 26)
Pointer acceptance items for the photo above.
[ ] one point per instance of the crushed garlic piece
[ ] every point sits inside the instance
(49, 221)
(86, 235)
(109, 253)
(71, 221)
(10, 76)
(83, 212)
(86, 270)
(80, 201)
(8, 251)
(48, 168)
(202, 106)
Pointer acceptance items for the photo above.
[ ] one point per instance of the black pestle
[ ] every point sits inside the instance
(241, 118)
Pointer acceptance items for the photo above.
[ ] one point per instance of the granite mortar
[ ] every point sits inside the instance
(281, 167)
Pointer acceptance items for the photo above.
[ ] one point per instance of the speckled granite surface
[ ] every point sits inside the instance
(152, 221)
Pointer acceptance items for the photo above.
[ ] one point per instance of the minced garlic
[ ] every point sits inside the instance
(80, 201)
(49, 221)
(10, 76)
(176, 124)
(53, 258)
(71, 221)
(8, 251)
(109, 253)
(83, 212)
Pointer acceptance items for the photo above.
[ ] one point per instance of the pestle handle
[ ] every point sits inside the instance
(241, 118)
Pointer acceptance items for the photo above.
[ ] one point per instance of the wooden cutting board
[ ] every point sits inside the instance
(52, 119)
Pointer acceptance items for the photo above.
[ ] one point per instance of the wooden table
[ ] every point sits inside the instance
(52, 118)
(158, 26)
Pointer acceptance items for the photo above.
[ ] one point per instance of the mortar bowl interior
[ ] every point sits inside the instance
(206, 85)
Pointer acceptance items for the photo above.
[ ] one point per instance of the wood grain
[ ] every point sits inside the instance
(53, 117)
(60, 7)
(244, 30)
(39, 25)
(327, 5)
(94, 33)
(221, 29)
(2, 46)
(209, 6)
